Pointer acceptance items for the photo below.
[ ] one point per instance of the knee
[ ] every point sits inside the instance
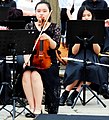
(35, 76)
(25, 77)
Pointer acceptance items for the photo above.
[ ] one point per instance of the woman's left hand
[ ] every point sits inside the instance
(44, 36)
(107, 23)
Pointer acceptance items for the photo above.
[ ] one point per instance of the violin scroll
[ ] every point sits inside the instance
(42, 22)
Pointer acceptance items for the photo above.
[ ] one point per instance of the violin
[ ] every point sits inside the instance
(41, 59)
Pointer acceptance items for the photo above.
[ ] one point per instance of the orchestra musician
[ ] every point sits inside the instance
(105, 60)
(73, 76)
(8, 3)
(36, 78)
(96, 4)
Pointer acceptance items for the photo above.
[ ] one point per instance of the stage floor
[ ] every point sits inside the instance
(92, 108)
(71, 117)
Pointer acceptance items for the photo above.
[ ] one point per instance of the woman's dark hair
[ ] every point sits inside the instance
(82, 9)
(8, 3)
(48, 5)
(14, 13)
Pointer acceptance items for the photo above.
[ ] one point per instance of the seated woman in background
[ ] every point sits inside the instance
(105, 60)
(74, 70)
(8, 3)
(96, 4)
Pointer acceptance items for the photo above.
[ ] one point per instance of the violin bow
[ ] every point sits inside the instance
(39, 35)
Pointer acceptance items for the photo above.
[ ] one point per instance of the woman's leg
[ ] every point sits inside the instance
(27, 87)
(71, 86)
(81, 83)
(37, 88)
(74, 94)
(65, 94)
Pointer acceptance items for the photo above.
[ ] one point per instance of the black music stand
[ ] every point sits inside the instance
(101, 14)
(82, 31)
(3, 12)
(27, 19)
(13, 24)
(14, 42)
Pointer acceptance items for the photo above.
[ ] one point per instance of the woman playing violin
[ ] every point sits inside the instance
(36, 79)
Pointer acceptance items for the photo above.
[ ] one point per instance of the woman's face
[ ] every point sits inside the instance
(87, 15)
(42, 11)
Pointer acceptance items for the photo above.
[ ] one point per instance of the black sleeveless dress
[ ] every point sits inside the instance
(50, 76)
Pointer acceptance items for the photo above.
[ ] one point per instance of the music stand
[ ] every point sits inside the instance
(13, 24)
(3, 12)
(27, 19)
(82, 31)
(10, 44)
(101, 14)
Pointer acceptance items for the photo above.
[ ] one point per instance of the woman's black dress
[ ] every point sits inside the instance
(75, 70)
(50, 76)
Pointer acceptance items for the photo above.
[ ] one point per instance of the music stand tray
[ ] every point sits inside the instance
(83, 27)
(85, 31)
(21, 40)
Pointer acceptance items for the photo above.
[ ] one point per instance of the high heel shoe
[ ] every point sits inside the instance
(36, 115)
(30, 115)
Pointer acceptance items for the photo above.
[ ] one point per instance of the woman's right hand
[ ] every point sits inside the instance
(3, 28)
(107, 23)
(96, 48)
(26, 61)
(26, 64)
(75, 49)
